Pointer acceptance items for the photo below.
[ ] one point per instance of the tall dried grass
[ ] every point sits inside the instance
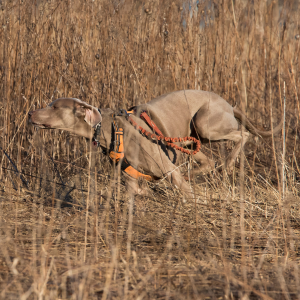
(241, 241)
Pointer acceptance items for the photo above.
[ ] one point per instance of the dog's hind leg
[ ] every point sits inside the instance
(219, 124)
(240, 138)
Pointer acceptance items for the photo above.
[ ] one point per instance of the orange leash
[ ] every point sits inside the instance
(144, 116)
(160, 137)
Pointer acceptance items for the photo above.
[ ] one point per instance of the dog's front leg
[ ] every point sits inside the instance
(132, 186)
(92, 156)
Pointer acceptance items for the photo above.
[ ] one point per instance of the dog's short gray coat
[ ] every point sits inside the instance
(183, 113)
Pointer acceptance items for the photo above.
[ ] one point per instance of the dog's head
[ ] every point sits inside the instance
(67, 114)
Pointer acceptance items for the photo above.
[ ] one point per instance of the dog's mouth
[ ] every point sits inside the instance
(43, 126)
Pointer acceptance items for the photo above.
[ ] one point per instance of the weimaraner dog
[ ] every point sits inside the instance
(195, 113)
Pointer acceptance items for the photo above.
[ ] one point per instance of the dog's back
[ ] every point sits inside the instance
(173, 112)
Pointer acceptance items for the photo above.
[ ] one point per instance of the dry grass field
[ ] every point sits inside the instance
(240, 241)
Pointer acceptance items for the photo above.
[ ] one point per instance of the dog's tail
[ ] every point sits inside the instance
(248, 124)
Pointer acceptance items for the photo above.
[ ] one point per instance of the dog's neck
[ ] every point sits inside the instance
(105, 136)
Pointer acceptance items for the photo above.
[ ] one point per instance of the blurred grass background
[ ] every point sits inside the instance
(240, 241)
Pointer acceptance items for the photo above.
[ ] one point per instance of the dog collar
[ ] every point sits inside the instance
(97, 132)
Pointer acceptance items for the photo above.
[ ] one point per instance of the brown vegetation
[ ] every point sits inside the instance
(240, 241)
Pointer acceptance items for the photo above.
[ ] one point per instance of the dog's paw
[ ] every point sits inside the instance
(142, 192)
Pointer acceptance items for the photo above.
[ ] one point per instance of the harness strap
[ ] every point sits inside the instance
(144, 116)
(131, 171)
(117, 154)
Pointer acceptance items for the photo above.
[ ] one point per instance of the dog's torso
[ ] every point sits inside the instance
(173, 113)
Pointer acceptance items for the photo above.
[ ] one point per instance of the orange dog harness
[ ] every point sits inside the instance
(117, 154)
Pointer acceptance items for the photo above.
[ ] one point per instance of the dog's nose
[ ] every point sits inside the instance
(30, 113)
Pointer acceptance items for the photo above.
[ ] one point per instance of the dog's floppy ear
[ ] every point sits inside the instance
(91, 115)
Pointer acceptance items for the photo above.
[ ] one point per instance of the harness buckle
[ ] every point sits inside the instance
(123, 113)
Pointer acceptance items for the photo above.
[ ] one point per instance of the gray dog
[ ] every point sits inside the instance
(200, 114)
